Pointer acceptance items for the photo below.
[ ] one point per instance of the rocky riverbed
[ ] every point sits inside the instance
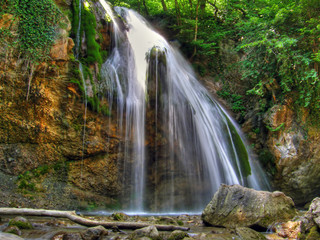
(234, 212)
(53, 228)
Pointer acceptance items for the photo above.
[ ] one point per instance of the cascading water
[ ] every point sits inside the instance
(77, 54)
(179, 143)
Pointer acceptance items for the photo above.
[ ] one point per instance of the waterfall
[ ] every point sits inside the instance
(179, 144)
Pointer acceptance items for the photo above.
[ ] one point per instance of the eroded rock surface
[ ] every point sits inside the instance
(237, 206)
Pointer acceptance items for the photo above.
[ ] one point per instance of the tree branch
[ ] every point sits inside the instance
(71, 215)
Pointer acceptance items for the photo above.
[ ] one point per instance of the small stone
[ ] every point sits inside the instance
(290, 229)
(66, 236)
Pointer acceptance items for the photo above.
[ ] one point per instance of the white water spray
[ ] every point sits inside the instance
(180, 144)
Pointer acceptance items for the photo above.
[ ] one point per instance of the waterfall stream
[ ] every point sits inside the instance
(179, 143)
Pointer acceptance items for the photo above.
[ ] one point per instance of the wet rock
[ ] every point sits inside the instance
(313, 234)
(296, 153)
(94, 233)
(13, 230)
(66, 236)
(312, 217)
(21, 223)
(150, 232)
(61, 49)
(178, 235)
(9, 236)
(166, 220)
(291, 229)
(237, 206)
(273, 236)
(249, 234)
(119, 216)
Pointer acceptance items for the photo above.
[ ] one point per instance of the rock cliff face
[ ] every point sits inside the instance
(52, 154)
(296, 153)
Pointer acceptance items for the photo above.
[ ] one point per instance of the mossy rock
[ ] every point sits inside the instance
(119, 216)
(236, 206)
(13, 230)
(313, 234)
(21, 223)
(178, 235)
(249, 234)
(166, 221)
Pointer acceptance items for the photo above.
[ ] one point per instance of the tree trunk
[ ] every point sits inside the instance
(196, 31)
(164, 6)
(71, 215)
(145, 7)
(178, 12)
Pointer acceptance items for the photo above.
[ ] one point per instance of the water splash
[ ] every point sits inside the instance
(179, 143)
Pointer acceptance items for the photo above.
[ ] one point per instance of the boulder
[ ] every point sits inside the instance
(94, 233)
(8, 236)
(119, 216)
(21, 223)
(151, 232)
(178, 235)
(312, 217)
(249, 234)
(236, 206)
(13, 230)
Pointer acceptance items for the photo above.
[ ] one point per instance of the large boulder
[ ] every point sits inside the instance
(237, 206)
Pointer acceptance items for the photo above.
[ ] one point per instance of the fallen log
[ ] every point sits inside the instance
(71, 215)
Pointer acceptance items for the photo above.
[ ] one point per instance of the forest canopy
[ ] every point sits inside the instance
(278, 41)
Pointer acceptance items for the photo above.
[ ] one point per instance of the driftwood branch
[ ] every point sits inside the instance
(71, 215)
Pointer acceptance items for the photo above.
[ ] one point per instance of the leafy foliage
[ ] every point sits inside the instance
(279, 42)
(38, 20)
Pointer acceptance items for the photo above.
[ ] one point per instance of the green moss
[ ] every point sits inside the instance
(20, 223)
(180, 223)
(267, 160)
(75, 16)
(178, 235)
(241, 150)
(26, 181)
(104, 109)
(88, 21)
(13, 230)
(313, 234)
(118, 216)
